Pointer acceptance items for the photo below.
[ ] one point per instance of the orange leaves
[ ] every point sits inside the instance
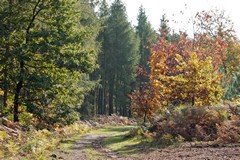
(187, 70)
(144, 102)
(183, 71)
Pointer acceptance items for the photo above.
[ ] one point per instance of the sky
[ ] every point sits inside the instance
(181, 11)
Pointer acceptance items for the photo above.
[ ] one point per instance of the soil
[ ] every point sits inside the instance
(199, 152)
(92, 141)
(186, 151)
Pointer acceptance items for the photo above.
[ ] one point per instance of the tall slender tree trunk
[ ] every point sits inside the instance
(129, 112)
(111, 93)
(5, 89)
(100, 101)
(104, 79)
(103, 100)
(193, 101)
(17, 93)
(95, 100)
(110, 103)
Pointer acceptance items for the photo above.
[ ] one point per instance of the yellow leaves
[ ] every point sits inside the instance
(195, 79)
(178, 57)
(182, 72)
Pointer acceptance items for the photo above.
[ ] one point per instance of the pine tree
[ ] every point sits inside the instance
(103, 15)
(122, 57)
(147, 35)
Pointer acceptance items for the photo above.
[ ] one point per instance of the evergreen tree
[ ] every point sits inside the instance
(122, 56)
(147, 35)
(103, 15)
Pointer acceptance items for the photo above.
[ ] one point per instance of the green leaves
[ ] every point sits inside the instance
(49, 49)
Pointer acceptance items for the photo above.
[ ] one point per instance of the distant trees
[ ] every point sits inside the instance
(117, 61)
(121, 56)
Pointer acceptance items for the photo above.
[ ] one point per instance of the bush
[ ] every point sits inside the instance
(36, 143)
(167, 139)
(191, 123)
(25, 118)
(229, 131)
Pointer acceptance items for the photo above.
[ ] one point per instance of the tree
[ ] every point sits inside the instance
(122, 57)
(164, 28)
(144, 102)
(51, 43)
(217, 25)
(147, 35)
(182, 72)
(103, 38)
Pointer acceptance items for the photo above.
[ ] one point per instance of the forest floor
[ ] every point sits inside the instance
(111, 143)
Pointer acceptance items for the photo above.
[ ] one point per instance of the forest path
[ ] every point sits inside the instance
(90, 146)
(110, 143)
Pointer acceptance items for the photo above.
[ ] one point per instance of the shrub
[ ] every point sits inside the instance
(167, 139)
(229, 131)
(191, 123)
(25, 118)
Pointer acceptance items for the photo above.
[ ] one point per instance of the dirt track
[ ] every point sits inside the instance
(182, 152)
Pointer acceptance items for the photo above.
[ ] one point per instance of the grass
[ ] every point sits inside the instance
(92, 154)
(115, 139)
(111, 131)
(67, 143)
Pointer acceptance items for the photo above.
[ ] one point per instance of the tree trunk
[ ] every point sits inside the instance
(110, 103)
(104, 79)
(111, 92)
(129, 112)
(17, 93)
(100, 101)
(5, 89)
(103, 100)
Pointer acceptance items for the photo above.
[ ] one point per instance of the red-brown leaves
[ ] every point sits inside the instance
(183, 71)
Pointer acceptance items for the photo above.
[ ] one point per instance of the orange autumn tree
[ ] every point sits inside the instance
(144, 102)
(183, 71)
(186, 71)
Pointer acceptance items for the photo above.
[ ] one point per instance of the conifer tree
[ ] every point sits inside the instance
(122, 57)
(147, 35)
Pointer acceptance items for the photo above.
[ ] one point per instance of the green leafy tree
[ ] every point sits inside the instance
(51, 44)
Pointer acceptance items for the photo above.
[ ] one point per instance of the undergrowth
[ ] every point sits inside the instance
(35, 144)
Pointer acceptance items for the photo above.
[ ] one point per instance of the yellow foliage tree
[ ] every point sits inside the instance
(198, 81)
(187, 72)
